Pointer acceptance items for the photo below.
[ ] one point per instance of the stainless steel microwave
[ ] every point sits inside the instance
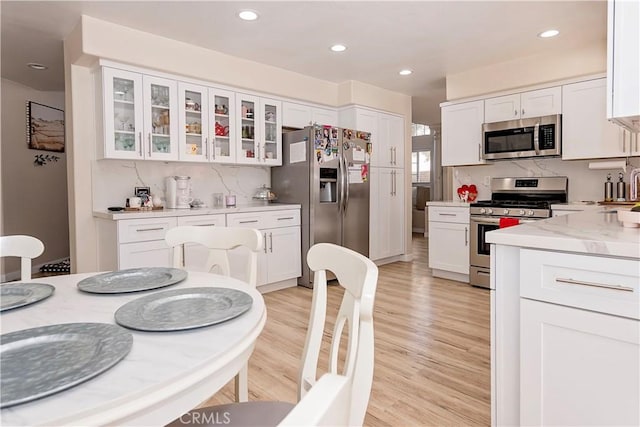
(513, 139)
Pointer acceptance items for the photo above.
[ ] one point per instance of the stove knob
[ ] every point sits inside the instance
(505, 212)
(530, 213)
(521, 211)
(489, 211)
(483, 210)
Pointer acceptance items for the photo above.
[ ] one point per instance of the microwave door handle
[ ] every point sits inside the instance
(536, 137)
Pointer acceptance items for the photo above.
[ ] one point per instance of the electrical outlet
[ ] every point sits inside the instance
(487, 180)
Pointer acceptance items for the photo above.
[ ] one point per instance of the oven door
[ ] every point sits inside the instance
(479, 249)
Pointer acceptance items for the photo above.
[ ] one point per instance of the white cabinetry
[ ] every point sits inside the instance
(387, 195)
(195, 256)
(534, 103)
(160, 118)
(223, 132)
(580, 340)
(586, 133)
(300, 115)
(462, 133)
(449, 242)
(259, 125)
(193, 123)
(133, 243)
(623, 64)
(281, 257)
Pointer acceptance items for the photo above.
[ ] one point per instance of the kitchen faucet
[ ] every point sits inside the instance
(634, 176)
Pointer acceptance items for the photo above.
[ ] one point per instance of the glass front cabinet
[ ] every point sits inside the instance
(222, 128)
(193, 123)
(260, 129)
(160, 118)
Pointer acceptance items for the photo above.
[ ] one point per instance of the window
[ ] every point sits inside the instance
(418, 130)
(421, 167)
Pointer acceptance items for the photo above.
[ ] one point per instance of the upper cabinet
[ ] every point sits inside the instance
(586, 132)
(160, 118)
(259, 125)
(296, 115)
(462, 133)
(223, 132)
(534, 103)
(623, 63)
(193, 124)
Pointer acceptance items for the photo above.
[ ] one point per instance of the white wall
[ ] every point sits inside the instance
(94, 39)
(584, 184)
(34, 198)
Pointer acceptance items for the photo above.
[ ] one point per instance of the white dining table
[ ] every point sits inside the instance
(163, 376)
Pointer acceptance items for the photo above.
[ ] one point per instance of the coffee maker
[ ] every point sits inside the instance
(178, 194)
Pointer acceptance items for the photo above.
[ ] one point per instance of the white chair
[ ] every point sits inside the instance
(220, 240)
(337, 398)
(25, 247)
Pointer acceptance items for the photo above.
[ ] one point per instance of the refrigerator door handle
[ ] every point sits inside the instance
(346, 185)
(341, 184)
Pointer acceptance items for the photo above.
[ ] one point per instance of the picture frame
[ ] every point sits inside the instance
(45, 127)
(143, 192)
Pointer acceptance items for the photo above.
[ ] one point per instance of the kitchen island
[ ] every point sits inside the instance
(565, 321)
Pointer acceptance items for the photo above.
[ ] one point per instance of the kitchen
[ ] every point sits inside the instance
(100, 178)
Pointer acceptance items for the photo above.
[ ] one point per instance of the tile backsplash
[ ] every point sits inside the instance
(584, 183)
(114, 180)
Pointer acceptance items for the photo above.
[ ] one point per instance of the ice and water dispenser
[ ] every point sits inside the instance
(328, 180)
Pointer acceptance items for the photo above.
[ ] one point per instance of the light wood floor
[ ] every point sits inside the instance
(432, 348)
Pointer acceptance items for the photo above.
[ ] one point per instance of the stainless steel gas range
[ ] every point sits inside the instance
(517, 200)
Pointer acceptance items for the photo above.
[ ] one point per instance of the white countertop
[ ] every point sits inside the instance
(595, 231)
(449, 203)
(252, 207)
(579, 206)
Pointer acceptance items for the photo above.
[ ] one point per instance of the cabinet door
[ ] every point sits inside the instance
(541, 102)
(324, 116)
(160, 118)
(623, 63)
(155, 253)
(577, 367)
(462, 133)
(270, 150)
(195, 256)
(449, 246)
(385, 143)
(246, 109)
(296, 115)
(283, 253)
(123, 118)
(223, 131)
(387, 213)
(502, 108)
(586, 132)
(193, 126)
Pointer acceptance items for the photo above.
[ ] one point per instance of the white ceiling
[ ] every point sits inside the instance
(433, 38)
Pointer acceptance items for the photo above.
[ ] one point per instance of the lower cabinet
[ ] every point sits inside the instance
(195, 256)
(449, 242)
(280, 260)
(387, 229)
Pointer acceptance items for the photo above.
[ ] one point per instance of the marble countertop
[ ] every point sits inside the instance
(594, 231)
(449, 203)
(578, 206)
(251, 207)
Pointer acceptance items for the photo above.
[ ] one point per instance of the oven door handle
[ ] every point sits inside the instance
(496, 220)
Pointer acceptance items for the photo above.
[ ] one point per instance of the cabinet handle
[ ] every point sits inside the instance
(149, 145)
(395, 156)
(391, 178)
(184, 259)
(264, 242)
(285, 218)
(205, 225)
(595, 285)
(206, 148)
(624, 140)
(479, 151)
(446, 214)
(523, 111)
(515, 113)
(248, 222)
(390, 155)
(466, 236)
(140, 142)
(271, 242)
(150, 229)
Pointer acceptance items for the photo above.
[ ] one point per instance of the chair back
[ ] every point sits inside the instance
(25, 247)
(358, 275)
(219, 240)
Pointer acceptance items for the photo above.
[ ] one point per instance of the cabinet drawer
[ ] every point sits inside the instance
(449, 214)
(262, 220)
(203, 220)
(249, 220)
(144, 230)
(277, 219)
(606, 285)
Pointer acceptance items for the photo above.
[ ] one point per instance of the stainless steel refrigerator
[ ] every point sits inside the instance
(326, 170)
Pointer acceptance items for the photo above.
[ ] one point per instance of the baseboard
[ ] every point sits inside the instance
(458, 277)
(276, 286)
(389, 260)
(417, 230)
(35, 268)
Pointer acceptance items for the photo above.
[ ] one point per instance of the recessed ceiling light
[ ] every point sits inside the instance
(36, 66)
(338, 48)
(405, 72)
(548, 33)
(248, 15)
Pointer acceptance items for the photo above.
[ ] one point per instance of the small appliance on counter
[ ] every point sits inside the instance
(264, 193)
(608, 189)
(178, 194)
(621, 189)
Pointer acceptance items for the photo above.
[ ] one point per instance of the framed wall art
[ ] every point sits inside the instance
(45, 127)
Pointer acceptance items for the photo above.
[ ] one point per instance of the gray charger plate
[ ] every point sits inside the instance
(18, 294)
(41, 361)
(181, 309)
(132, 280)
